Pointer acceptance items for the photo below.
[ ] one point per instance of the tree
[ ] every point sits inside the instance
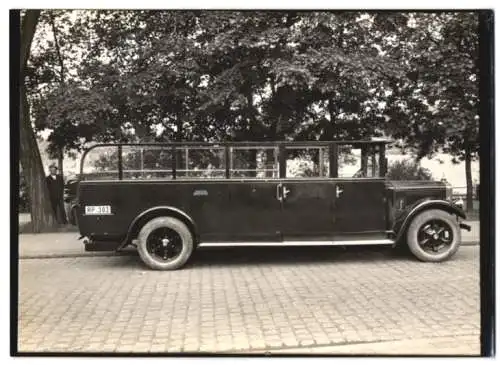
(209, 75)
(458, 92)
(42, 215)
(436, 109)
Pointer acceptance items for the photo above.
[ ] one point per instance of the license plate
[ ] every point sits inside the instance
(97, 209)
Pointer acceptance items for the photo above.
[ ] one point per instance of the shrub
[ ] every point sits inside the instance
(408, 170)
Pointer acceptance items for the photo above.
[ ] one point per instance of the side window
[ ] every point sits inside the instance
(304, 162)
(132, 162)
(200, 162)
(157, 163)
(101, 163)
(358, 162)
(253, 162)
(146, 162)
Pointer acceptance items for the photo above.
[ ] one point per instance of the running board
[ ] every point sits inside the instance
(298, 243)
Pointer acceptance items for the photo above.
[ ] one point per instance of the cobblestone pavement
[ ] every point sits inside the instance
(247, 300)
(440, 346)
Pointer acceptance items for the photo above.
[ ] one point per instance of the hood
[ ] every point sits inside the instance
(402, 185)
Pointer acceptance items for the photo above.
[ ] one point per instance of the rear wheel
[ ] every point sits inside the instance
(165, 243)
(433, 236)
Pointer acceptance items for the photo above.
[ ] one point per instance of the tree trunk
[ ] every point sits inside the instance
(276, 128)
(330, 131)
(58, 49)
(60, 160)
(28, 28)
(178, 132)
(42, 216)
(468, 178)
(252, 124)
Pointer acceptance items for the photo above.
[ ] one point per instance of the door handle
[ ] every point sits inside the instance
(338, 191)
(285, 192)
(278, 196)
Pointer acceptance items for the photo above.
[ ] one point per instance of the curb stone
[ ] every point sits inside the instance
(76, 255)
(122, 253)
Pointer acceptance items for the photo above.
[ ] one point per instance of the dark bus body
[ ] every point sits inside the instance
(271, 210)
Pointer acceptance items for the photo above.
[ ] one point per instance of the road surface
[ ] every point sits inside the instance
(253, 300)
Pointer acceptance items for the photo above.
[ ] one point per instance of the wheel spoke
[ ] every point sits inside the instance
(442, 235)
(424, 241)
(427, 230)
(444, 240)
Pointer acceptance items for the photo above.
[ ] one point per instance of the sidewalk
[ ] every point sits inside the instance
(51, 245)
(66, 244)
(471, 237)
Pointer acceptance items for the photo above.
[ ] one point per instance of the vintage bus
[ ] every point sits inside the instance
(167, 199)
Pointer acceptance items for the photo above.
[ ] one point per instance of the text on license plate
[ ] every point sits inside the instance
(97, 209)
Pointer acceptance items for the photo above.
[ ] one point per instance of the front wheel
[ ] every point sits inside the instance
(433, 236)
(165, 243)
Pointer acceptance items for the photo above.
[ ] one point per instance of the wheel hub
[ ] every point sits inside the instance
(165, 244)
(435, 235)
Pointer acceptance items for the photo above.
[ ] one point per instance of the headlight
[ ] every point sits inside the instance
(459, 203)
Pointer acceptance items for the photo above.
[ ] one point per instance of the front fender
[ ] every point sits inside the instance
(405, 219)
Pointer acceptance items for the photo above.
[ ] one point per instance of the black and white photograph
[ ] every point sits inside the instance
(233, 182)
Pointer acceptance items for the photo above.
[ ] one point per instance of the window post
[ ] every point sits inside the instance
(120, 164)
(227, 158)
(282, 159)
(383, 161)
(364, 161)
(373, 156)
(174, 163)
(142, 163)
(320, 162)
(333, 152)
(187, 162)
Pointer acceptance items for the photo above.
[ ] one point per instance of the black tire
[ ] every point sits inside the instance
(423, 237)
(150, 248)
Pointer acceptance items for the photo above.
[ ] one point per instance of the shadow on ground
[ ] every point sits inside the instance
(275, 256)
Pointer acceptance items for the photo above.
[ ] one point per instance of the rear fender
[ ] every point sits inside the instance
(155, 212)
(403, 222)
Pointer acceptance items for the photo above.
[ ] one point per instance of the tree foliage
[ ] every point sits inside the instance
(260, 75)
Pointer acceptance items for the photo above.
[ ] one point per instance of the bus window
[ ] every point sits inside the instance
(302, 162)
(253, 162)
